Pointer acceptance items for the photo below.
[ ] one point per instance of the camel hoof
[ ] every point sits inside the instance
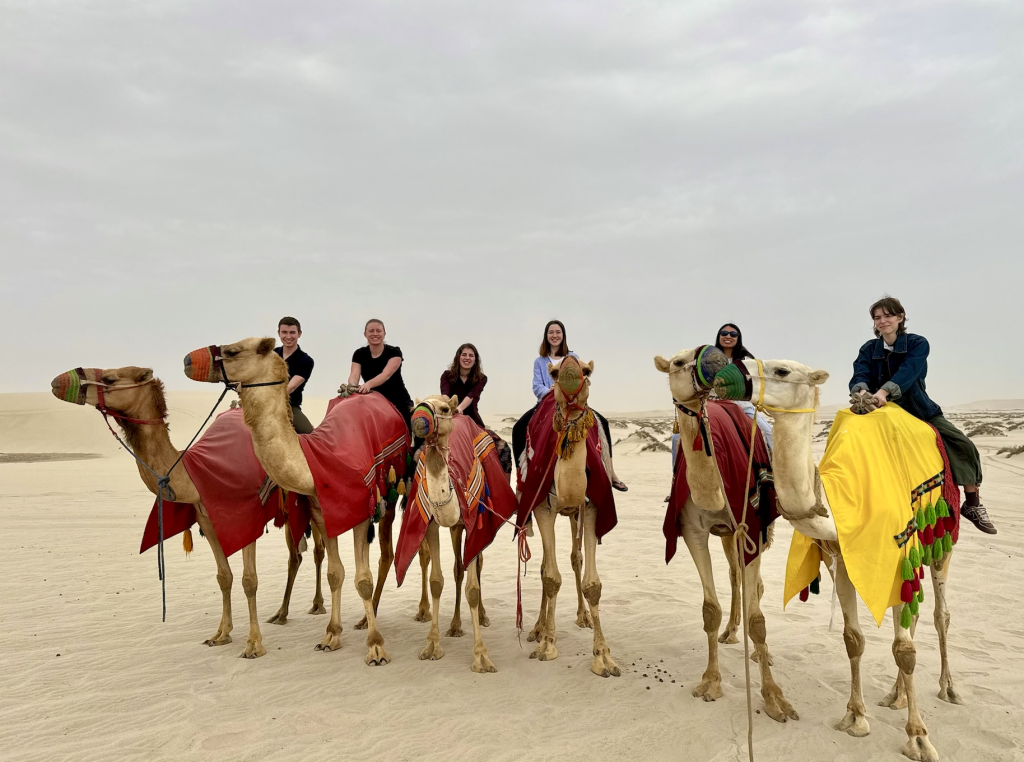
(584, 621)
(361, 624)
(776, 707)
(432, 651)
(894, 700)
(455, 631)
(281, 617)
(485, 621)
(421, 616)
(854, 724)
(604, 666)
(329, 643)
(709, 690)
(217, 640)
(949, 693)
(254, 651)
(377, 656)
(534, 636)
(318, 608)
(920, 749)
(482, 664)
(545, 651)
(729, 637)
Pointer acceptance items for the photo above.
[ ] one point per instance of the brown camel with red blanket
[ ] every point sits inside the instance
(565, 475)
(708, 498)
(459, 483)
(217, 483)
(345, 466)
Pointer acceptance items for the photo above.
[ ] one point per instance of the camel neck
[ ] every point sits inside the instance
(152, 444)
(268, 415)
(702, 473)
(792, 461)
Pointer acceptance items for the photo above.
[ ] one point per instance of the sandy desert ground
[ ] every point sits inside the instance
(90, 673)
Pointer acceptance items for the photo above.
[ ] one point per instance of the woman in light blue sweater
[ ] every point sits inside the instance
(552, 349)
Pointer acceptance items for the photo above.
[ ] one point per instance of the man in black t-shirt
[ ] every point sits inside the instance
(300, 368)
(380, 366)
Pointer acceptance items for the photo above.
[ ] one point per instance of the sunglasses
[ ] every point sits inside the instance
(733, 334)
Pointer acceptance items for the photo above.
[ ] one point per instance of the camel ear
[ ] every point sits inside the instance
(553, 371)
(417, 402)
(818, 377)
(266, 346)
(144, 374)
(662, 364)
(588, 369)
(453, 400)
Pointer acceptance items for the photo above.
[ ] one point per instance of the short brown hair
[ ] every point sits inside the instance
(545, 348)
(289, 321)
(374, 320)
(475, 373)
(890, 305)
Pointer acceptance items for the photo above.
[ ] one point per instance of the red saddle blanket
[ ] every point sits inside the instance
(535, 484)
(475, 467)
(223, 466)
(730, 434)
(350, 454)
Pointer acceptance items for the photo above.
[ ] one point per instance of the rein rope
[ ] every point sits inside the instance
(163, 482)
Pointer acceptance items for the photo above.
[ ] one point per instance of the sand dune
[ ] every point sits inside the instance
(90, 672)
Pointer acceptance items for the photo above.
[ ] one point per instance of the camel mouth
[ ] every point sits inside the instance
(731, 384)
(72, 386)
(570, 376)
(204, 365)
(422, 421)
(708, 363)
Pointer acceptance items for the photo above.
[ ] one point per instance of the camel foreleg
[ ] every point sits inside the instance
(603, 665)
(319, 552)
(775, 703)
(335, 579)
(551, 580)
(855, 721)
(918, 747)
(387, 558)
(481, 662)
(423, 611)
(294, 562)
(583, 618)
(484, 619)
(946, 690)
(254, 643)
(375, 653)
(696, 539)
(433, 650)
(455, 630)
(224, 580)
(729, 634)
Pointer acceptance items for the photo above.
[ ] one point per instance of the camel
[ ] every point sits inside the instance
(134, 397)
(791, 391)
(436, 489)
(573, 421)
(260, 376)
(707, 512)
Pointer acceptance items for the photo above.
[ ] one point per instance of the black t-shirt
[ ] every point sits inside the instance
(299, 364)
(394, 388)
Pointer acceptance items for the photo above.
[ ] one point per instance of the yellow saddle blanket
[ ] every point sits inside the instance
(875, 468)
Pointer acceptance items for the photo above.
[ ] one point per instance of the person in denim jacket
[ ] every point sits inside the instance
(892, 368)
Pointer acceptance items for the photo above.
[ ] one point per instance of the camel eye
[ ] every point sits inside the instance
(445, 409)
(109, 380)
(678, 363)
(782, 372)
(231, 353)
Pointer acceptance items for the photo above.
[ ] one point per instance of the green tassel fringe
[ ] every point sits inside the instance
(915, 607)
(947, 543)
(905, 617)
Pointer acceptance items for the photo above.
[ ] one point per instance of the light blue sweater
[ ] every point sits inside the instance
(542, 380)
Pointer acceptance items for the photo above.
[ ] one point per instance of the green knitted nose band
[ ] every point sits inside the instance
(730, 383)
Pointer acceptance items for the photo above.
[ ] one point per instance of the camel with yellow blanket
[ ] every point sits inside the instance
(864, 515)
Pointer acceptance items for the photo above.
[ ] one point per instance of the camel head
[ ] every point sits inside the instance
(249, 361)
(572, 381)
(432, 420)
(787, 386)
(691, 373)
(131, 392)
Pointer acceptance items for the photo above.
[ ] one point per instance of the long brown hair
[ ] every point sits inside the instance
(545, 348)
(455, 370)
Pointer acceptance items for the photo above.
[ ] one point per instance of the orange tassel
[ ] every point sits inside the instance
(186, 541)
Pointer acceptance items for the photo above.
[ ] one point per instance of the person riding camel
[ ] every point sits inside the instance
(892, 368)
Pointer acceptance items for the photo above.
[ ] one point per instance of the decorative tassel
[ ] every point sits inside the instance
(309, 530)
(369, 533)
(698, 443)
(905, 617)
(186, 541)
(940, 529)
(942, 508)
(926, 559)
(929, 515)
(401, 487)
(201, 532)
(929, 538)
(915, 558)
(920, 520)
(906, 570)
(937, 552)
(906, 591)
(920, 596)
(392, 477)
(947, 543)
(804, 594)
(915, 585)
(815, 586)
(675, 426)
(915, 606)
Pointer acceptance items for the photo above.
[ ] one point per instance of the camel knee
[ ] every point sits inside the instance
(592, 593)
(436, 586)
(364, 586)
(906, 655)
(552, 583)
(854, 640)
(249, 585)
(473, 596)
(334, 580)
(224, 579)
(712, 616)
(318, 554)
(758, 631)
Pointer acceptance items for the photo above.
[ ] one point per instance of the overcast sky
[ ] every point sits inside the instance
(175, 174)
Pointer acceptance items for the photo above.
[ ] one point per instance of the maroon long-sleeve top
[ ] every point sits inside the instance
(463, 389)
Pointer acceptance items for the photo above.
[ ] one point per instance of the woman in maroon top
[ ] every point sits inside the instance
(465, 379)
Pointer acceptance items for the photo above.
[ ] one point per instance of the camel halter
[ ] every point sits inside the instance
(426, 414)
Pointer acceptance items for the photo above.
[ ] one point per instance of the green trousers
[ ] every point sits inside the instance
(964, 458)
(300, 422)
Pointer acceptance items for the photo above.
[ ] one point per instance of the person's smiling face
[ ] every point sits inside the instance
(467, 359)
(886, 323)
(289, 335)
(554, 336)
(374, 334)
(728, 337)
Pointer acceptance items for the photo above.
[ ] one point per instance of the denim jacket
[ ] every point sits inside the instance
(901, 372)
